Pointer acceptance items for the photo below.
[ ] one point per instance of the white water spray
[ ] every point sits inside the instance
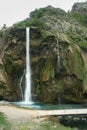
(58, 58)
(58, 63)
(20, 86)
(27, 94)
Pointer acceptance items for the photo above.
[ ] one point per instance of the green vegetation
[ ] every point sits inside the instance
(49, 10)
(37, 23)
(4, 124)
(78, 64)
(50, 126)
(85, 80)
(11, 66)
(76, 37)
(1, 33)
(37, 13)
(24, 23)
(83, 44)
(32, 22)
(81, 18)
(42, 126)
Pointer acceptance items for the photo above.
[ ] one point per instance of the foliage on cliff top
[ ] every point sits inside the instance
(49, 10)
(79, 12)
(58, 21)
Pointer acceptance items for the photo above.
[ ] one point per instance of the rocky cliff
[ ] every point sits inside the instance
(80, 8)
(58, 50)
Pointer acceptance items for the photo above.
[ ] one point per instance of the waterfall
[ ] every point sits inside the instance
(59, 100)
(27, 94)
(58, 63)
(20, 86)
(58, 58)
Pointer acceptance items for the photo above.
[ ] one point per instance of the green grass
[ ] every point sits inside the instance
(50, 126)
(42, 126)
(4, 124)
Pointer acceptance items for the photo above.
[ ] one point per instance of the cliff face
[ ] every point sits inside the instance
(58, 50)
(80, 8)
(12, 63)
(58, 68)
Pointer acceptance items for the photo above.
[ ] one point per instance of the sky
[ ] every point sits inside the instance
(12, 11)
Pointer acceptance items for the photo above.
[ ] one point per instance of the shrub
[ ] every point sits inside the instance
(37, 23)
(81, 18)
(23, 23)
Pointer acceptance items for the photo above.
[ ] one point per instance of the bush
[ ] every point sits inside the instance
(37, 23)
(37, 13)
(24, 23)
(81, 18)
(49, 10)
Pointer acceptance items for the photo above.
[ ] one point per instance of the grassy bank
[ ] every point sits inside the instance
(42, 126)
(4, 124)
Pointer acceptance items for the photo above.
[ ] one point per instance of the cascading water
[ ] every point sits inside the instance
(27, 94)
(58, 58)
(58, 63)
(20, 86)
